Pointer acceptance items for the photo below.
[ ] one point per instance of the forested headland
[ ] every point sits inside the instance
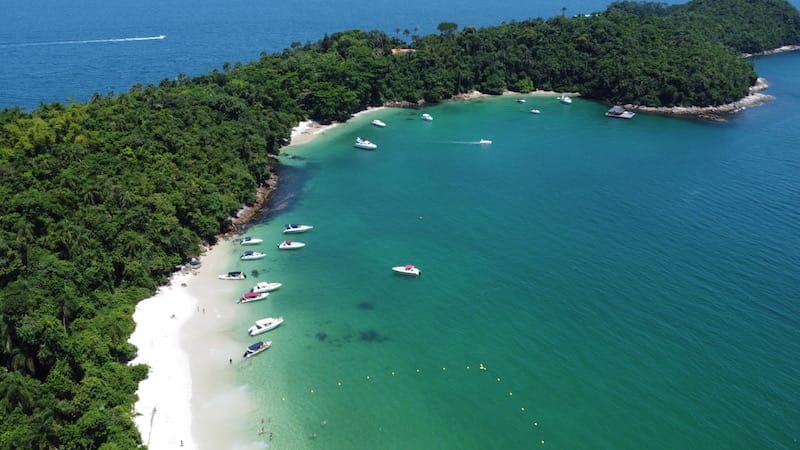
(99, 201)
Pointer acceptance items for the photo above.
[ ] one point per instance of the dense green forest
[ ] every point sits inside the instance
(99, 201)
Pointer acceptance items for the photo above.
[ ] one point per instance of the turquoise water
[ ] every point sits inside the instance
(625, 284)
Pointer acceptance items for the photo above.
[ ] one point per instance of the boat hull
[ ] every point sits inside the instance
(264, 325)
(252, 256)
(256, 348)
(232, 276)
(403, 270)
(254, 298)
(296, 229)
(265, 287)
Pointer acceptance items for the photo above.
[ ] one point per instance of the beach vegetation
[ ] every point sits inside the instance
(99, 201)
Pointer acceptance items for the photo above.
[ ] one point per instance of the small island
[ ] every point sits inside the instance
(102, 200)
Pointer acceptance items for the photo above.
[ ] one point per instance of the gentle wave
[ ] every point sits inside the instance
(86, 41)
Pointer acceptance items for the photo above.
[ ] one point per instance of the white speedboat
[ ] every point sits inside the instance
(264, 325)
(256, 348)
(249, 297)
(251, 255)
(249, 240)
(232, 276)
(426, 116)
(620, 113)
(408, 269)
(290, 245)
(263, 286)
(379, 123)
(535, 111)
(364, 144)
(565, 99)
(485, 141)
(296, 228)
(520, 100)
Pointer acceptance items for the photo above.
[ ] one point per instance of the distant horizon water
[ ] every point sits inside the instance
(195, 44)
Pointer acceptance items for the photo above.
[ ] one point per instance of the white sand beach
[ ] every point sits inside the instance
(183, 335)
(164, 409)
(307, 130)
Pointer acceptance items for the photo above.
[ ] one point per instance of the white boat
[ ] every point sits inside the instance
(520, 100)
(426, 116)
(565, 99)
(263, 286)
(249, 240)
(379, 123)
(485, 141)
(290, 245)
(251, 255)
(249, 297)
(256, 348)
(620, 113)
(364, 144)
(296, 228)
(535, 111)
(233, 276)
(264, 325)
(408, 269)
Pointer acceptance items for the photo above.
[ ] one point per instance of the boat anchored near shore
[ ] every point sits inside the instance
(256, 348)
(263, 286)
(249, 240)
(251, 255)
(364, 144)
(296, 228)
(232, 276)
(290, 245)
(264, 325)
(249, 297)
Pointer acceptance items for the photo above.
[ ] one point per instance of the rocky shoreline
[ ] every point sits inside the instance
(715, 113)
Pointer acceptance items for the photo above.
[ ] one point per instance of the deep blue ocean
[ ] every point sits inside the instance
(587, 283)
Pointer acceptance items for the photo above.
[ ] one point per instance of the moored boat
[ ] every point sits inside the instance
(379, 123)
(620, 113)
(426, 116)
(296, 228)
(535, 111)
(232, 276)
(364, 144)
(290, 245)
(263, 286)
(256, 348)
(408, 269)
(249, 240)
(264, 325)
(565, 99)
(251, 255)
(249, 297)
